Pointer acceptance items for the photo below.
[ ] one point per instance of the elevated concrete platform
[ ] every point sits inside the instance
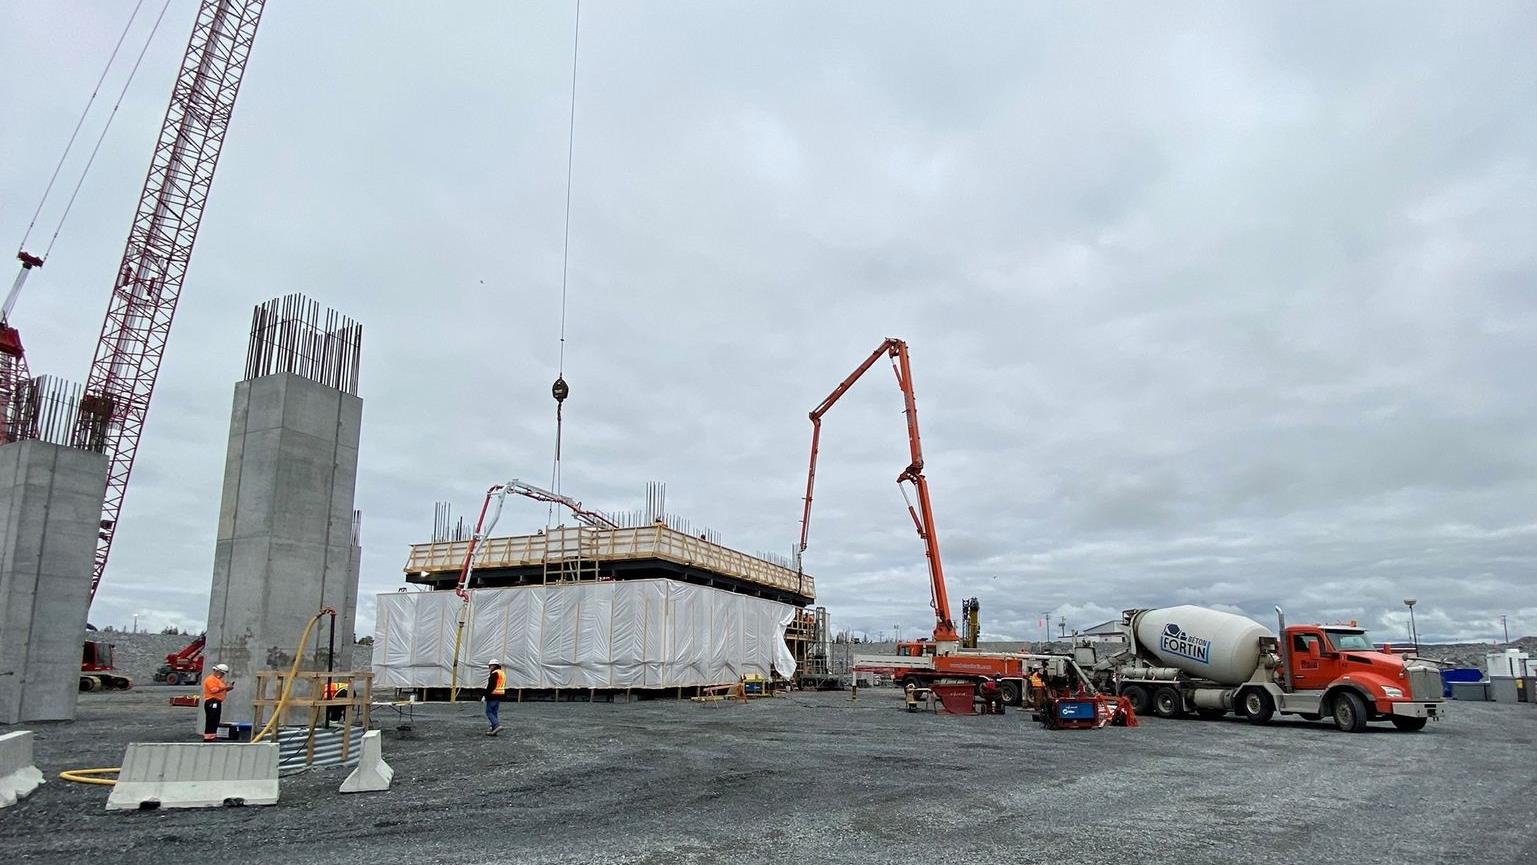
(649, 552)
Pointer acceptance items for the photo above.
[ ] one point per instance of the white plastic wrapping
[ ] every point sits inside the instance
(629, 634)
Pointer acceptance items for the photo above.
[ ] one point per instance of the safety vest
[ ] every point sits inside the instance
(214, 687)
(334, 690)
(499, 677)
(1035, 680)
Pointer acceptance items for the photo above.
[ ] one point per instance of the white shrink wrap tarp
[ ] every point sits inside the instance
(629, 634)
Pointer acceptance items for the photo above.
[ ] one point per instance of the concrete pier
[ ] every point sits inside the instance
(286, 543)
(50, 511)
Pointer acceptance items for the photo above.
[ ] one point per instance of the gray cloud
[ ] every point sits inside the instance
(1220, 305)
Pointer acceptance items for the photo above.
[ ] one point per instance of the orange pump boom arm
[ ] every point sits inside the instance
(923, 512)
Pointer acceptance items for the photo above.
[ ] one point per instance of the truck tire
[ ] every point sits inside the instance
(911, 682)
(1349, 712)
(1255, 706)
(1168, 702)
(1012, 693)
(1138, 697)
(1408, 724)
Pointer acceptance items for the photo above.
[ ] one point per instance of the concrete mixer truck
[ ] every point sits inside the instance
(1188, 660)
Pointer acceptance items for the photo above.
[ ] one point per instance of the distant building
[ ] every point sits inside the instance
(1104, 632)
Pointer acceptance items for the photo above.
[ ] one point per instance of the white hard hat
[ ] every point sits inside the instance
(493, 663)
(223, 668)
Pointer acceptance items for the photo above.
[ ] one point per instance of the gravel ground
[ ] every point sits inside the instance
(814, 778)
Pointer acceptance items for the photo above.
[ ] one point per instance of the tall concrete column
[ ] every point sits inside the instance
(286, 544)
(50, 513)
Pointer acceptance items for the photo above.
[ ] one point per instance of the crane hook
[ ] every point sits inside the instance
(560, 390)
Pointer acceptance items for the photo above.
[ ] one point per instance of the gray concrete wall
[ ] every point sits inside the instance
(285, 546)
(50, 514)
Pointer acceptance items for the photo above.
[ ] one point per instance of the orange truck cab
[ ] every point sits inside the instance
(1337, 670)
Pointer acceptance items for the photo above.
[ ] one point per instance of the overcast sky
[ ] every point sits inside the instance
(1225, 304)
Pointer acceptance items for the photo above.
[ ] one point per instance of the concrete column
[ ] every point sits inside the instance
(50, 514)
(285, 544)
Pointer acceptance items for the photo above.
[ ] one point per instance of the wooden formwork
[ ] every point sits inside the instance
(308, 700)
(572, 552)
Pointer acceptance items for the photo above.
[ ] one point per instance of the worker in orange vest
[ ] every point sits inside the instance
(1037, 688)
(496, 688)
(335, 690)
(215, 688)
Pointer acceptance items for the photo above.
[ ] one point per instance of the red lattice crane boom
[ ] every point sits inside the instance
(159, 248)
(923, 512)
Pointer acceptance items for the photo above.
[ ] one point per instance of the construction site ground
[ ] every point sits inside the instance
(812, 778)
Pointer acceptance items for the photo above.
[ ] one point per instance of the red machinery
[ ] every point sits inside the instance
(184, 667)
(942, 659)
(13, 358)
(96, 671)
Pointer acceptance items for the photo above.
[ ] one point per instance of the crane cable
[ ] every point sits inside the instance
(95, 776)
(560, 390)
(47, 190)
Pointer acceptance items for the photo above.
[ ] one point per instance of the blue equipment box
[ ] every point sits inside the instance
(1075, 710)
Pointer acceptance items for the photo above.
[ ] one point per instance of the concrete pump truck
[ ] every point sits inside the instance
(946, 657)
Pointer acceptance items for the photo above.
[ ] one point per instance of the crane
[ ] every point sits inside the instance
(159, 248)
(923, 513)
(13, 358)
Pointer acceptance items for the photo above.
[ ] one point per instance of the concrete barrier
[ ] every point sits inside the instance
(372, 774)
(184, 775)
(18, 777)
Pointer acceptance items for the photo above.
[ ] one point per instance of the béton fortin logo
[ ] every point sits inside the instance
(1175, 641)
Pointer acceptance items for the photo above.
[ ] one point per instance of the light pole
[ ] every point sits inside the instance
(1414, 634)
(1506, 625)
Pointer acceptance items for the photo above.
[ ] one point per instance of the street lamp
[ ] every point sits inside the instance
(1414, 634)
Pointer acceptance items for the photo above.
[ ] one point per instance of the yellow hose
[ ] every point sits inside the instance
(84, 776)
(288, 684)
(453, 685)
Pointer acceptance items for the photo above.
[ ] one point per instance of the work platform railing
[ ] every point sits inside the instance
(584, 550)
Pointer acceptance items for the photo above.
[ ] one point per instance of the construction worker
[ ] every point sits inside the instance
(496, 689)
(992, 699)
(1037, 688)
(335, 690)
(216, 686)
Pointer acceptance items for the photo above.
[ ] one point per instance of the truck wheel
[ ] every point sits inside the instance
(1407, 724)
(1137, 696)
(1255, 706)
(1349, 712)
(911, 682)
(1168, 702)
(1011, 694)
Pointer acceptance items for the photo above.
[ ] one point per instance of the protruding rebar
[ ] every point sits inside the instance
(287, 335)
